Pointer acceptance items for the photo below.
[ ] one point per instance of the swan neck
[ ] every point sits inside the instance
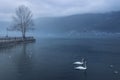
(85, 65)
(82, 60)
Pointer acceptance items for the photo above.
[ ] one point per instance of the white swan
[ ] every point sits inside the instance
(111, 66)
(116, 72)
(82, 67)
(79, 62)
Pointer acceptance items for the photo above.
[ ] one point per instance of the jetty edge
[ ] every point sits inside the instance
(4, 40)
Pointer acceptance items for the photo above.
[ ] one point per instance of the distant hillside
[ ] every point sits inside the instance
(75, 25)
(106, 22)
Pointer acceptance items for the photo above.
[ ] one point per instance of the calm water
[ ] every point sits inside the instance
(52, 59)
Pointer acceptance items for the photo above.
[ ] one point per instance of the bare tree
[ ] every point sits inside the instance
(22, 20)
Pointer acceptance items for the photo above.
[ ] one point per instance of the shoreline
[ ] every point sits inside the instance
(4, 41)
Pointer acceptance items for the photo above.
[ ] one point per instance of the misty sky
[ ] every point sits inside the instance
(45, 8)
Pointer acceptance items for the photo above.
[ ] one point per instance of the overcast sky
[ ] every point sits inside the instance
(44, 8)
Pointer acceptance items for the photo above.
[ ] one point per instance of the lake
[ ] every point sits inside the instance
(52, 59)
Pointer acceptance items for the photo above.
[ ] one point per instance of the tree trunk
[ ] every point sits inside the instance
(23, 31)
(23, 35)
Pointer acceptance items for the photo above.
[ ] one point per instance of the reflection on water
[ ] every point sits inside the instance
(51, 59)
(15, 63)
(24, 64)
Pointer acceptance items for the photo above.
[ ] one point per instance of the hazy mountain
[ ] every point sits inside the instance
(104, 22)
(81, 24)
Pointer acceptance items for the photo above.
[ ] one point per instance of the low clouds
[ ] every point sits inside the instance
(44, 8)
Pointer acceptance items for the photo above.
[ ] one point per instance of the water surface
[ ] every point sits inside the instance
(52, 59)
